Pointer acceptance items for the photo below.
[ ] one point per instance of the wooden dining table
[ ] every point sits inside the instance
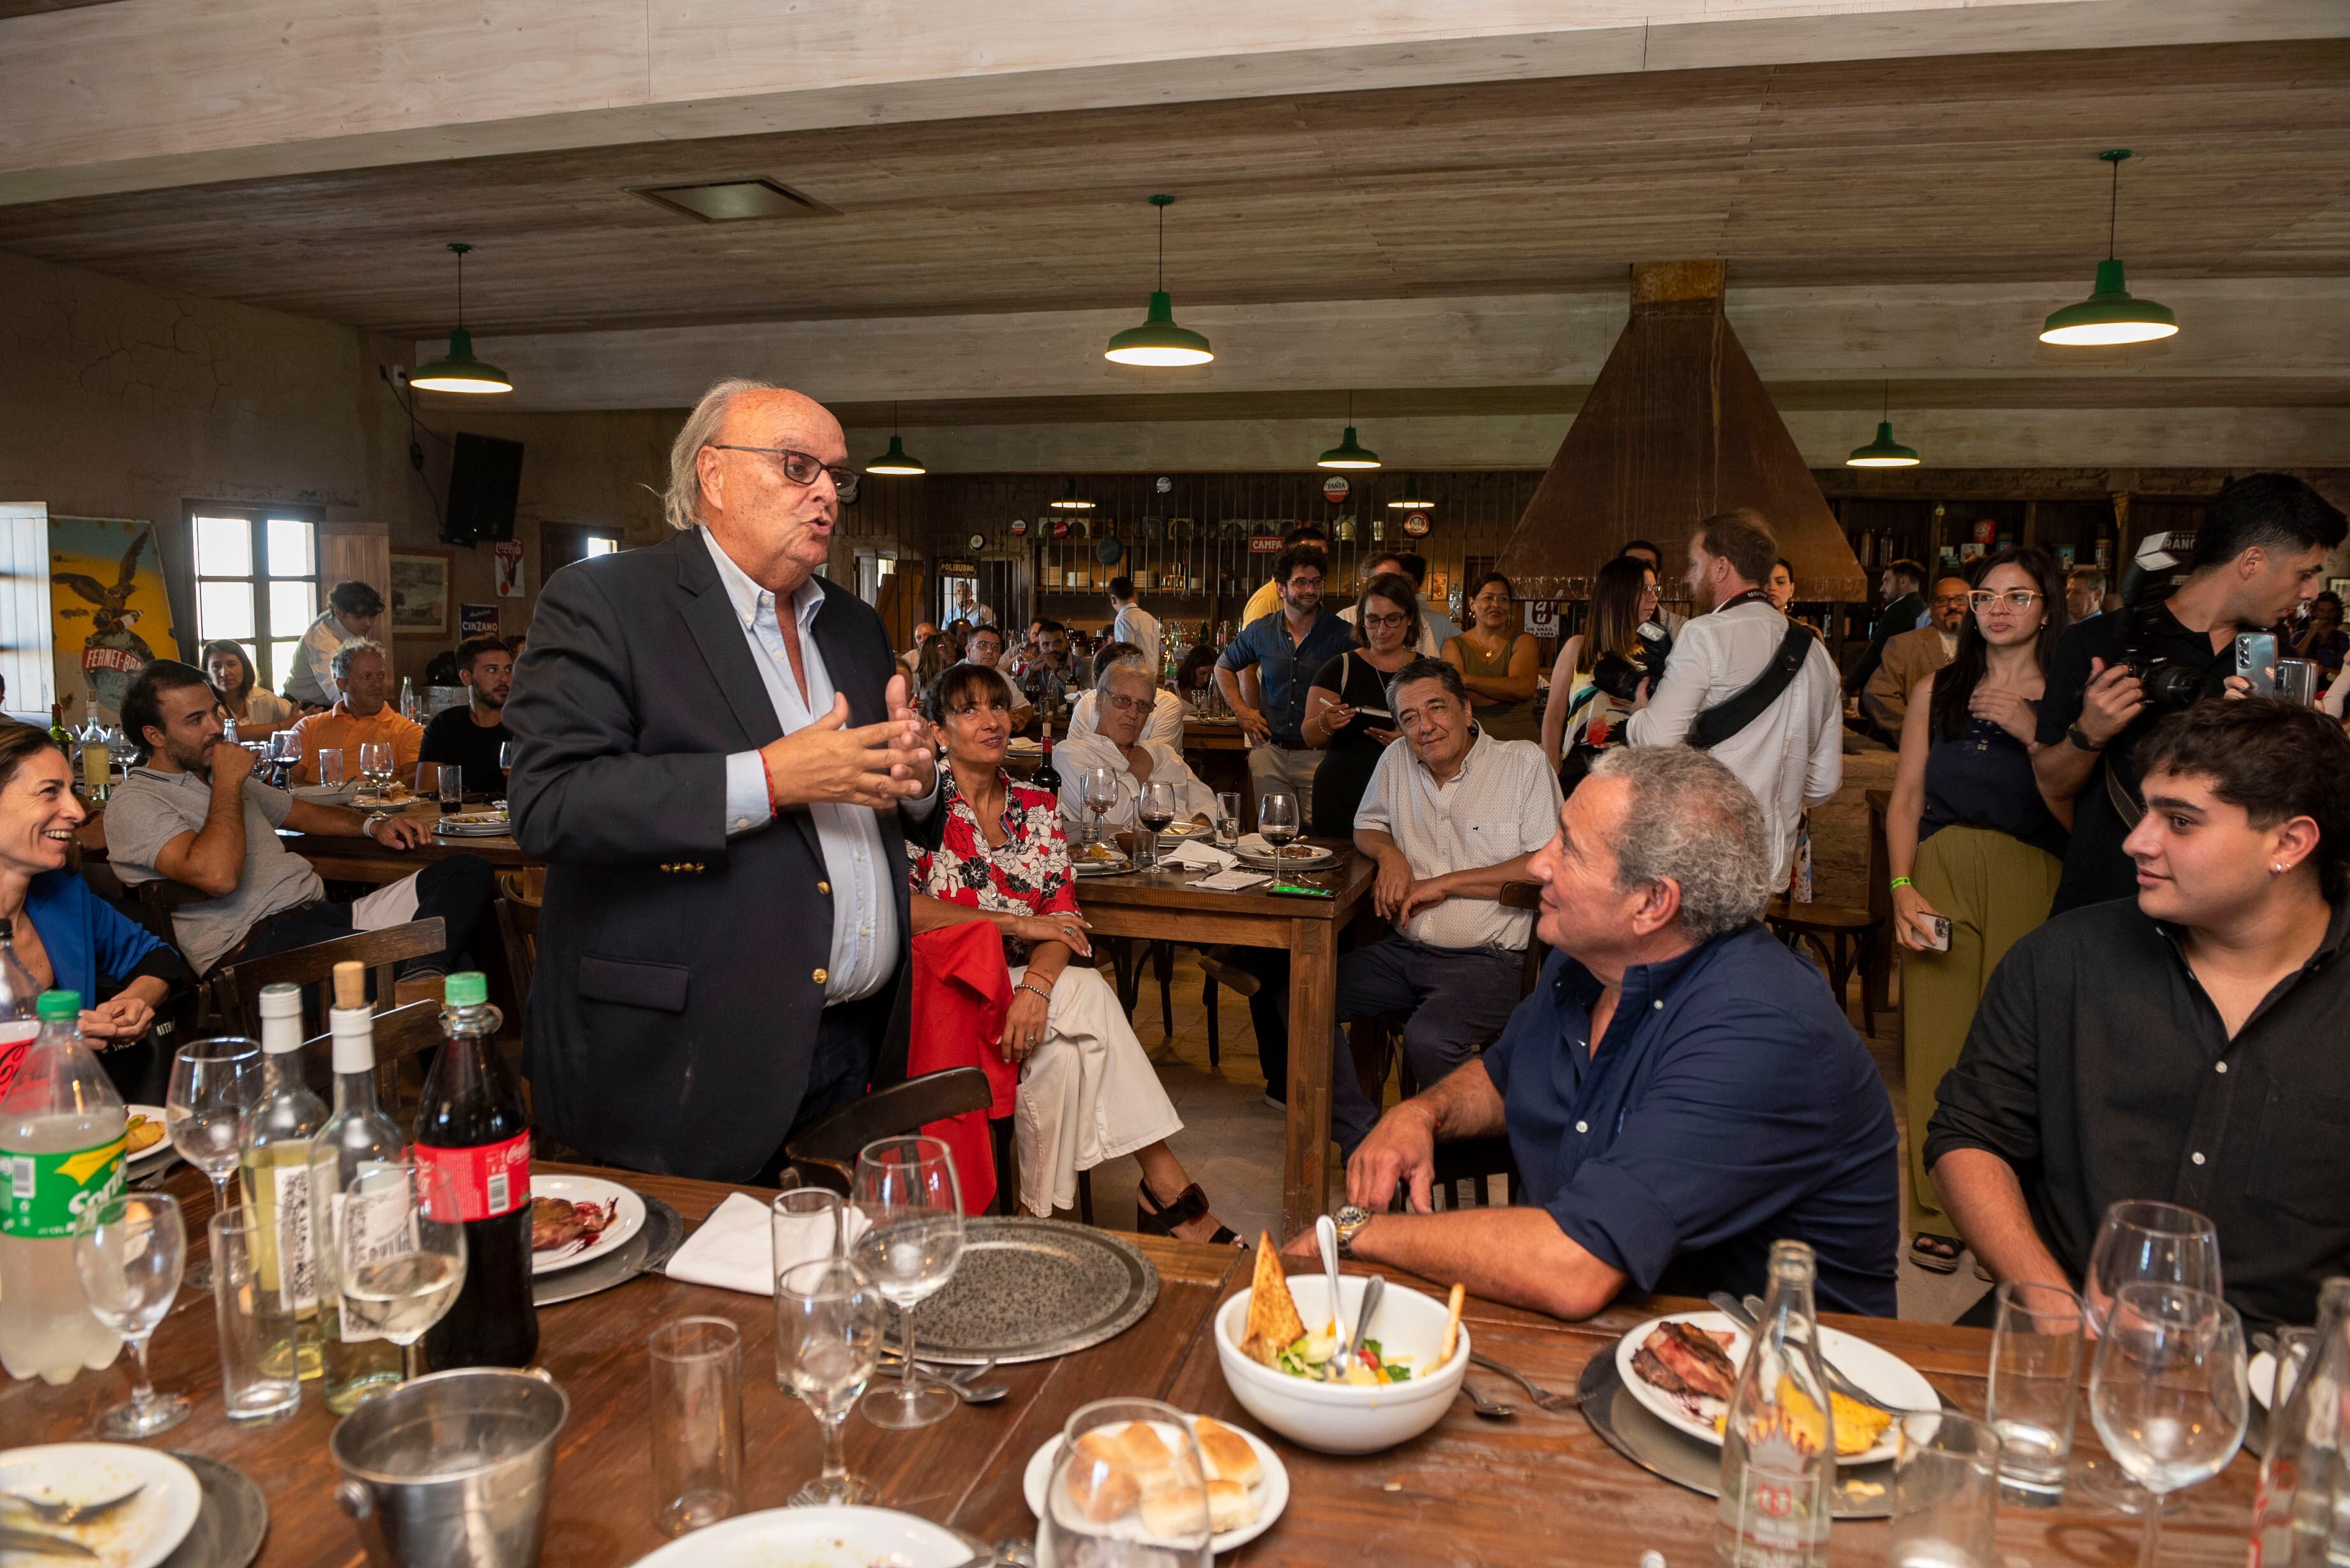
(1537, 1488)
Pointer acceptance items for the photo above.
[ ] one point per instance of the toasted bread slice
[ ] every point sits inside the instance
(1273, 1324)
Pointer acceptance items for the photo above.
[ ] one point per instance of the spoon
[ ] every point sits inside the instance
(1326, 1232)
(1373, 1289)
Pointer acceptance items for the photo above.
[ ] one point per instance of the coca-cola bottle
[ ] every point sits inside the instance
(471, 1125)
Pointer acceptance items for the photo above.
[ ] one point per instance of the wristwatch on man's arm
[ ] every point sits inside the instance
(1350, 1219)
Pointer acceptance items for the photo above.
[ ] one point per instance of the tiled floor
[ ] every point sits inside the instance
(1232, 1141)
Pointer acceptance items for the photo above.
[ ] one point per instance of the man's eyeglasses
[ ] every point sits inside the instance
(1131, 704)
(1947, 601)
(2018, 600)
(801, 467)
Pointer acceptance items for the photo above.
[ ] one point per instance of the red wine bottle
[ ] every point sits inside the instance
(470, 1124)
(1047, 777)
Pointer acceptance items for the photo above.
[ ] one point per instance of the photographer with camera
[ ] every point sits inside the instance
(1745, 683)
(1599, 670)
(2259, 553)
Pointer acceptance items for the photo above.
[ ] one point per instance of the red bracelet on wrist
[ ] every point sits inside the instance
(767, 772)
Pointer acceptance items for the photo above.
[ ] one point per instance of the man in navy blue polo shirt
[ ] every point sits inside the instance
(1288, 649)
(1679, 1090)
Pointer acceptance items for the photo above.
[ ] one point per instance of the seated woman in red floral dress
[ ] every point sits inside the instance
(1087, 1092)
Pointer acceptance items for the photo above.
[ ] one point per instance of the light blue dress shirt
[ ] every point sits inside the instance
(864, 901)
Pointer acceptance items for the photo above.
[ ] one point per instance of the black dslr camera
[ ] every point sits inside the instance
(2158, 566)
(1620, 677)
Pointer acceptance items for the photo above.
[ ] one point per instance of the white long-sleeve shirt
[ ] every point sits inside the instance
(1791, 755)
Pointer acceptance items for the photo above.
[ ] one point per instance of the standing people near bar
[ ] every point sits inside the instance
(716, 757)
(1436, 627)
(1287, 649)
(1911, 656)
(1129, 622)
(1498, 663)
(1902, 584)
(352, 610)
(1346, 711)
(1975, 852)
(1268, 596)
(1579, 720)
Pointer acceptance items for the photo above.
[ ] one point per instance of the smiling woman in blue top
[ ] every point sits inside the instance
(1679, 1090)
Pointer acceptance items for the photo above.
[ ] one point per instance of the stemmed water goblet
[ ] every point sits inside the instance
(2166, 1391)
(400, 1253)
(2141, 1239)
(1098, 789)
(375, 766)
(213, 1083)
(128, 1255)
(829, 1328)
(907, 1189)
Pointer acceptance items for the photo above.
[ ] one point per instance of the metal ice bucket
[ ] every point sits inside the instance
(451, 1470)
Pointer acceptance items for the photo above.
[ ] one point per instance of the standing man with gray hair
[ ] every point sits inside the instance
(1745, 683)
(716, 758)
(1679, 1090)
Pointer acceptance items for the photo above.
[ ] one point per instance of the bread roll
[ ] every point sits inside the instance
(1104, 1492)
(1173, 1514)
(1098, 1444)
(1229, 1456)
(1230, 1506)
(1140, 1446)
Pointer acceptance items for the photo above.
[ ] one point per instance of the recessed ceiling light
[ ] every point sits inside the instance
(733, 200)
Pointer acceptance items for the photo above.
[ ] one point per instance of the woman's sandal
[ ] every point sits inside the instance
(1152, 1220)
(1937, 1254)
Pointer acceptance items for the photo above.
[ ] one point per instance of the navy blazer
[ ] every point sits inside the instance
(680, 978)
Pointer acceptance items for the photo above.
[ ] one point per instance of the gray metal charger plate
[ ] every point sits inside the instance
(643, 1252)
(1028, 1290)
(231, 1521)
(1862, 1491)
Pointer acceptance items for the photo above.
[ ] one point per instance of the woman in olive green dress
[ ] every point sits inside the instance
(1498, 663)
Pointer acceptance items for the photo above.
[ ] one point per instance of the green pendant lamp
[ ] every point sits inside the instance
(1884, 451)
(1411, 500)
(896, 461)
(1349, 452)
(1159, 341)
(1071, 501)
(458, 371)
(2109, 315)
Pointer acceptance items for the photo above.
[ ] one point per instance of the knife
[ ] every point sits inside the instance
(1747, 1318)
(13, 1539)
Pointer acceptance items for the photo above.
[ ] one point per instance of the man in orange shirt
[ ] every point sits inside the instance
(363, 715)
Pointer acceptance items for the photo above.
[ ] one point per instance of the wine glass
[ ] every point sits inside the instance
(400, 1250)
(907, 1191)
(1277, 822)
(2141, 1239)
(128, 1257)
(214, 1084)
(2166, 1392)
(829, 1328)
(284, 750)
(1093, 1512)
(1098, 787)
(451, 783)
(1155, 809)
(505, 756)
(375, 766)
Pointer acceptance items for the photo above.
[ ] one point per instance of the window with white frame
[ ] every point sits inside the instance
(256, 583)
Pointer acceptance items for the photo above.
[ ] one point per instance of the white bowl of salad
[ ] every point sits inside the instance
(1393, 1394)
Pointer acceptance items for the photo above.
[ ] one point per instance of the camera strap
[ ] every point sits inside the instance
(2126, 804)
(1728, 717)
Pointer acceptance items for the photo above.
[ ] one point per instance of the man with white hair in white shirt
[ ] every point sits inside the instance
(1165, 724)
(1124, 695)
(1791, 752)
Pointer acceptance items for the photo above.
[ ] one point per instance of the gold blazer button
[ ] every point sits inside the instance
(817, 977)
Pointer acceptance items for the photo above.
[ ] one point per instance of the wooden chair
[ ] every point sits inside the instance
(1837, 934)
(401, 1033)
(1470, 1164)
(518, 927)
(826, 1153)
(236, 987)
(1004, 1137)
(1877, 952)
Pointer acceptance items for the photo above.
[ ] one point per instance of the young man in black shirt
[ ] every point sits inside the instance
(2184, 1045)
(471, 736)
(2257, 556)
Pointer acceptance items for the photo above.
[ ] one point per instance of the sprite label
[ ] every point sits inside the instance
(49, 1196)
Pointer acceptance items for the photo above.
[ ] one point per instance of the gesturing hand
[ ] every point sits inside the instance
(1401, 1148)
(872, 764)
(2011, 710)
(917, 734)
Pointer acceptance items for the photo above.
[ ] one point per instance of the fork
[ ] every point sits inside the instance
(69, 1513)
(1556, 1404)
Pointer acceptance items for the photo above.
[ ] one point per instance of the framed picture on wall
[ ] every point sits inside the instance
(420, 592)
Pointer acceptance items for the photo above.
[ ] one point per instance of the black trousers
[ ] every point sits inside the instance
(848, 1041)
(458, 889)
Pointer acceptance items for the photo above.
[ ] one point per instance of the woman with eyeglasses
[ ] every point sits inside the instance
(1347, 706)
(1976, 850)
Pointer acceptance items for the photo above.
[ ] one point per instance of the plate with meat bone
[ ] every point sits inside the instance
(1676, 1381)
(600, 1216)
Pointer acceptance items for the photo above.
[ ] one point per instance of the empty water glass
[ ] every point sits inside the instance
(2166, 1391)
(330, 768)
(907, 1189)
(1228, 818)
(2035, 1372)
(697, 1422)
(128, 1257)
(213, 1082)
(256, 1326)
(453, 786)
(829, 1325)
(1945, 1491)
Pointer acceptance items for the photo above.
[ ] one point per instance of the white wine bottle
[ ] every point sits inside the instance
(358, 1138)
(276, 1162)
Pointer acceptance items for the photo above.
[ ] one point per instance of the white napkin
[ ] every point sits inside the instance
(1206, 857)
(736, 1248)
(1231, 881)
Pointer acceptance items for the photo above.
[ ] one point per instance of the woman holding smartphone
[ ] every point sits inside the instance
(1976, 850)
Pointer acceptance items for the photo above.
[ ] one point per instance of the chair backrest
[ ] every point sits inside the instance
(826, 1153)
(400, 1033)
(519, 929)
(1526, 896)
(236, 987)
(525, 884)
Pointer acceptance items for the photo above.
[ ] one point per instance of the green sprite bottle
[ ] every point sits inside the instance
(61, 1143)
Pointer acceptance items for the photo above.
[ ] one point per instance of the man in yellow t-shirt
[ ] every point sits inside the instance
(363, 715)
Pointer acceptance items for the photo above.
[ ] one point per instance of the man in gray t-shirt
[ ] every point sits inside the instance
(192, 812)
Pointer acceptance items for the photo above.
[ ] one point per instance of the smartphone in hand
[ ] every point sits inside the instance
(2256, 657)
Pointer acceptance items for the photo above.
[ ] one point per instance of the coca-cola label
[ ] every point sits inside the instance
(15, 1040)
(489, 1180)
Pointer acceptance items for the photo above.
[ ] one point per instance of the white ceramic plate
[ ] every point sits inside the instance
(1184, 827)
(627, 1219)
(160, 1147)
(815, 1538)
(1882, 1373)
(139, 1534)
(339, 795)
(1253, 851)
(1271, 1491)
